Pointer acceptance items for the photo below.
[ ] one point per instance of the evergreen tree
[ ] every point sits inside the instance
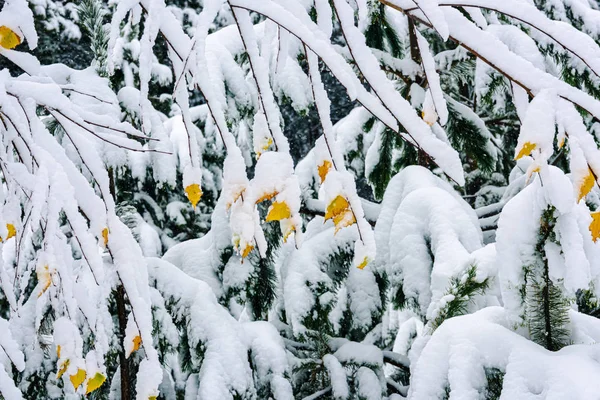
(168, 230)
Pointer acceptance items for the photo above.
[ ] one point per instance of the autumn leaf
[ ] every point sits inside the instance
(95, 382)
(105, 236)
(343, 220)
(279, 210)
(429, 117)
(266, 196)
(247, 250)
(8, 38)
(337, 206)
(587, 183)
(525, 150)
(137, 341)
(193, 193)
(595, 225)
(12, 232)
(78, 378)
(324, 169)
(58, 351)
(288, 231)
(363, 264)
(339, 210)
(63, 368)
(45, 278)
(264, 147)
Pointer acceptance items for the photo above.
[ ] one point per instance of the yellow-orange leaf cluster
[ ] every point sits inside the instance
(339, 210)
(525, 150)
(8, 38)
(193, 193)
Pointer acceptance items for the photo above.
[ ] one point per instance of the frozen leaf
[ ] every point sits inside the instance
(429, 116)
(324, 169)
(63, 368)
(586, 185)
(105, 236)
(137, 341)
(8, 38)
(12, 232)
(339, 210)
(266, 196)
(525, 150)
(95, 382)
(278, 211)
(264, 147)
(193, 193)
(595, 225)
(288, 227)
(343, 220)
(337, 206)
(44, 278)
(78, 378)
(58, 351)
(363, 264)
(246, 250)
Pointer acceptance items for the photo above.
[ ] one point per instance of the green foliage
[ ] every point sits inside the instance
(384, 170)
(463, 289)
(92, 16)
(495, 379)
(546, 307)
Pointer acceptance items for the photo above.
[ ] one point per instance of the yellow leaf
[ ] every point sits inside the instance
(343, 220)
(363, 264)
(45, 278)
(278, 211)
(336, 207)
(288, 232)
(247, 250)
(78, 378)
(324, 169)
(62, 369)
(193, 193)
(339, 210)
(105, 236)
(137, 341)
(58, 351)
(8, 38)
(152, 398)
(561, 143)
(595, 225)
(266, 196)
(526, 150)
(268, 144)
(586, 185)
(95, 382)
(429, 119)
(11, 231)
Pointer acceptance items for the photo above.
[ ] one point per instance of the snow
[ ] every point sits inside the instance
(457, 352)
